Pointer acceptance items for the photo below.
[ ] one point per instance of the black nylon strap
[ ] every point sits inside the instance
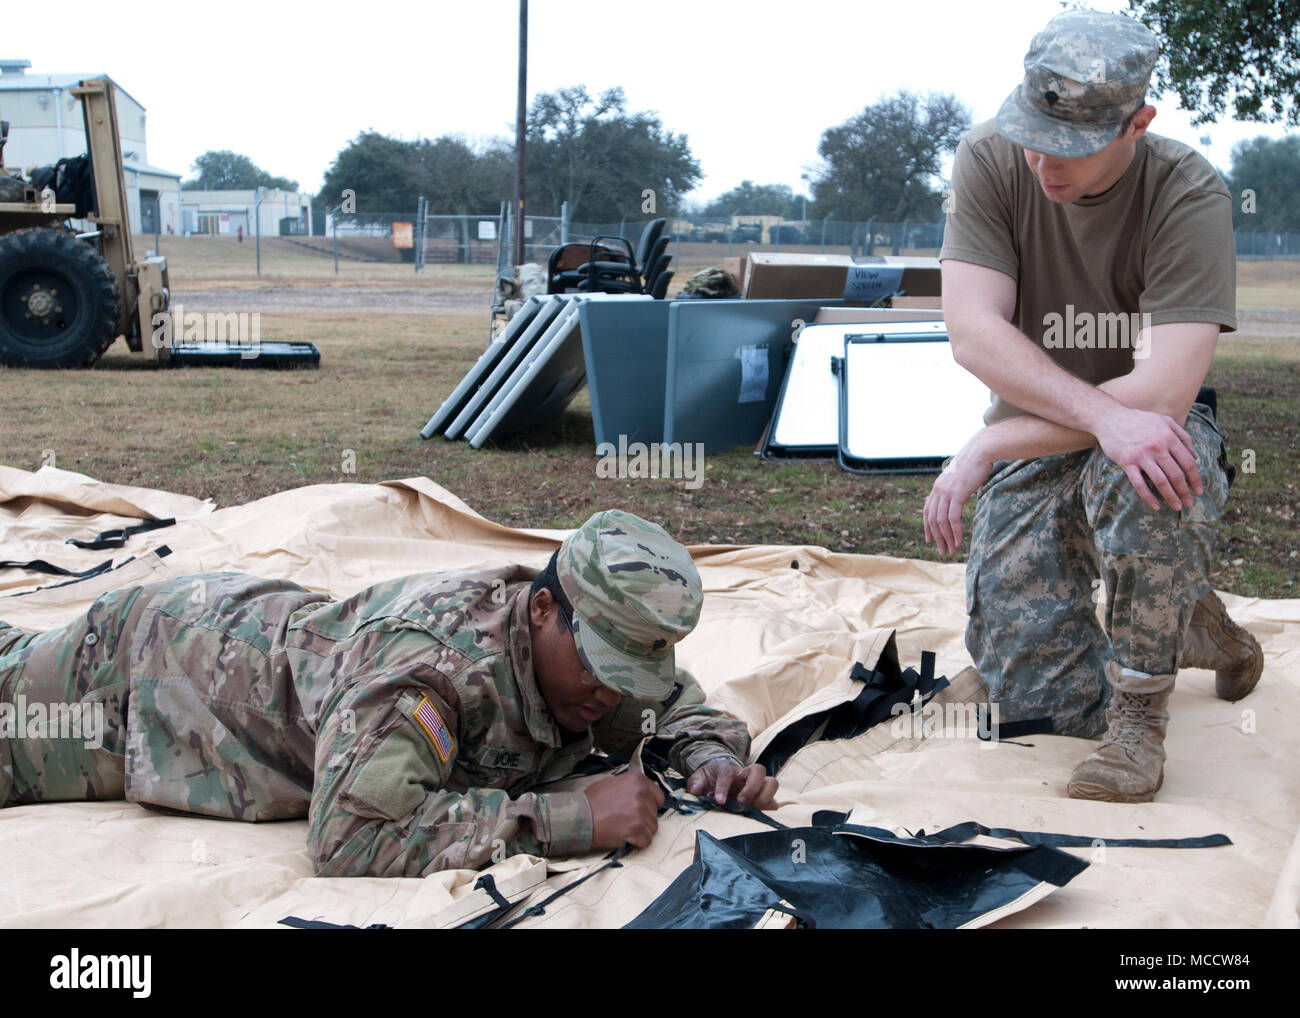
(594, 764)
(927, 669)
(162, 551)
(105, 541)
(118, 537)
(39, 565)
(540, 907)
(1082, 841)
(731, 806)
(488, 884)
(485, 882)
(959, 833)
(1011, 729)
(321, 924)
(1029, 726)
(883, 687)
(654, 760)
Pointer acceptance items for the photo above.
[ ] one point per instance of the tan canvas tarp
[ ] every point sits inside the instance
(781, 629)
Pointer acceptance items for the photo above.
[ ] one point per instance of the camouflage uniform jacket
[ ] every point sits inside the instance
(405, 722)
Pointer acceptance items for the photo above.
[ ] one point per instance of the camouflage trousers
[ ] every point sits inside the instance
(67, 690)
(65, 695)
(1058, 537)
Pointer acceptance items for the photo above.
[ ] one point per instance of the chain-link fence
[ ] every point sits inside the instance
(1255, 244)
(368, 237)
(397, 243)
(481, 239)
(421, 238)
(694, 238)
(697, 237)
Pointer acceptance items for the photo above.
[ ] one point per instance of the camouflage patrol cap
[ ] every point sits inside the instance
(1084, 73)
(635, 592)
(712, 282)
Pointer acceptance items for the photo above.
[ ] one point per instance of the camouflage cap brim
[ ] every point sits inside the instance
(1033, 129)
(640, 677)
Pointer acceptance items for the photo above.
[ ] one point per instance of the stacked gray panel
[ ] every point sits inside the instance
(626, 348)
(468, 385)
(726, 362)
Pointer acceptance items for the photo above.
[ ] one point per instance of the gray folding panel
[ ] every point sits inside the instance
(551, 306)
(454, 403)
(519, 397)
(625, 344)
(547, 377)
(726, 362)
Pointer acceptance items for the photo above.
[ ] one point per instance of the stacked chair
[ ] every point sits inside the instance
(607, 264)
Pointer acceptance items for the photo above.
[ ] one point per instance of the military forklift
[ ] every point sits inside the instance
(67, 295)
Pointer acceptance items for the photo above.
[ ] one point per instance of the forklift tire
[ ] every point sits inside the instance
(58, 300)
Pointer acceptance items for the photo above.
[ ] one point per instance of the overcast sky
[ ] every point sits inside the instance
(752, 84)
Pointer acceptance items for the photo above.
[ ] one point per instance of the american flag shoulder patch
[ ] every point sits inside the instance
(428, 718)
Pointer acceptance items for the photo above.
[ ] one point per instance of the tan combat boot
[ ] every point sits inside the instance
(1215, 642)
(1129, 765)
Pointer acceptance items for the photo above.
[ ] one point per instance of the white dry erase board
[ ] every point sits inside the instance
(806, 421)
(906, 405)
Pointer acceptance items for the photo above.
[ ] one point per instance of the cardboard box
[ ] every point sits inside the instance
(737, 267)
(850, 316)
(799, 276)
(925, 303)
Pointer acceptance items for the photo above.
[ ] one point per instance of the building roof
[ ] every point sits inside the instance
(157, 171)
(42, 82)
(194, 196)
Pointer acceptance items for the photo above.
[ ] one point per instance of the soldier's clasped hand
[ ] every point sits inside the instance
(724, 778)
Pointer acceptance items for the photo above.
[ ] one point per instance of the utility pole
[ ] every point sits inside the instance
(521, 114)
(257, 219)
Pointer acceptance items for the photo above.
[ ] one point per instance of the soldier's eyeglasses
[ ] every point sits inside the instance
(587, 678)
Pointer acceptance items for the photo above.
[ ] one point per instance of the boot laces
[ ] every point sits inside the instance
(1131, 717)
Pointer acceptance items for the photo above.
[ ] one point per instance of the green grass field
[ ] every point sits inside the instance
(235, 435)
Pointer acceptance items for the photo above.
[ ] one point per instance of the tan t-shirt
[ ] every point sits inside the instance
(1157, 243)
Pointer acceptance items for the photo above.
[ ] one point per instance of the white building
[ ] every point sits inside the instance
(228, 212)
(45, 125)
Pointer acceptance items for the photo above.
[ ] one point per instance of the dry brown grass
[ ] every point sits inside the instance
(1269, 285)
(234, 435)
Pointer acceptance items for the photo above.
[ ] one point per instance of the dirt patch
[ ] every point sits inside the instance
(1268, 325)
(296, 300)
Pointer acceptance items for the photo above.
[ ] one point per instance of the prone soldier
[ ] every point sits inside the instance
(414, 724)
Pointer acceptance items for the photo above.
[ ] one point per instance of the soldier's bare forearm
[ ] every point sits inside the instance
(1021, 373)
(1165, 383)
(1026, 437)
